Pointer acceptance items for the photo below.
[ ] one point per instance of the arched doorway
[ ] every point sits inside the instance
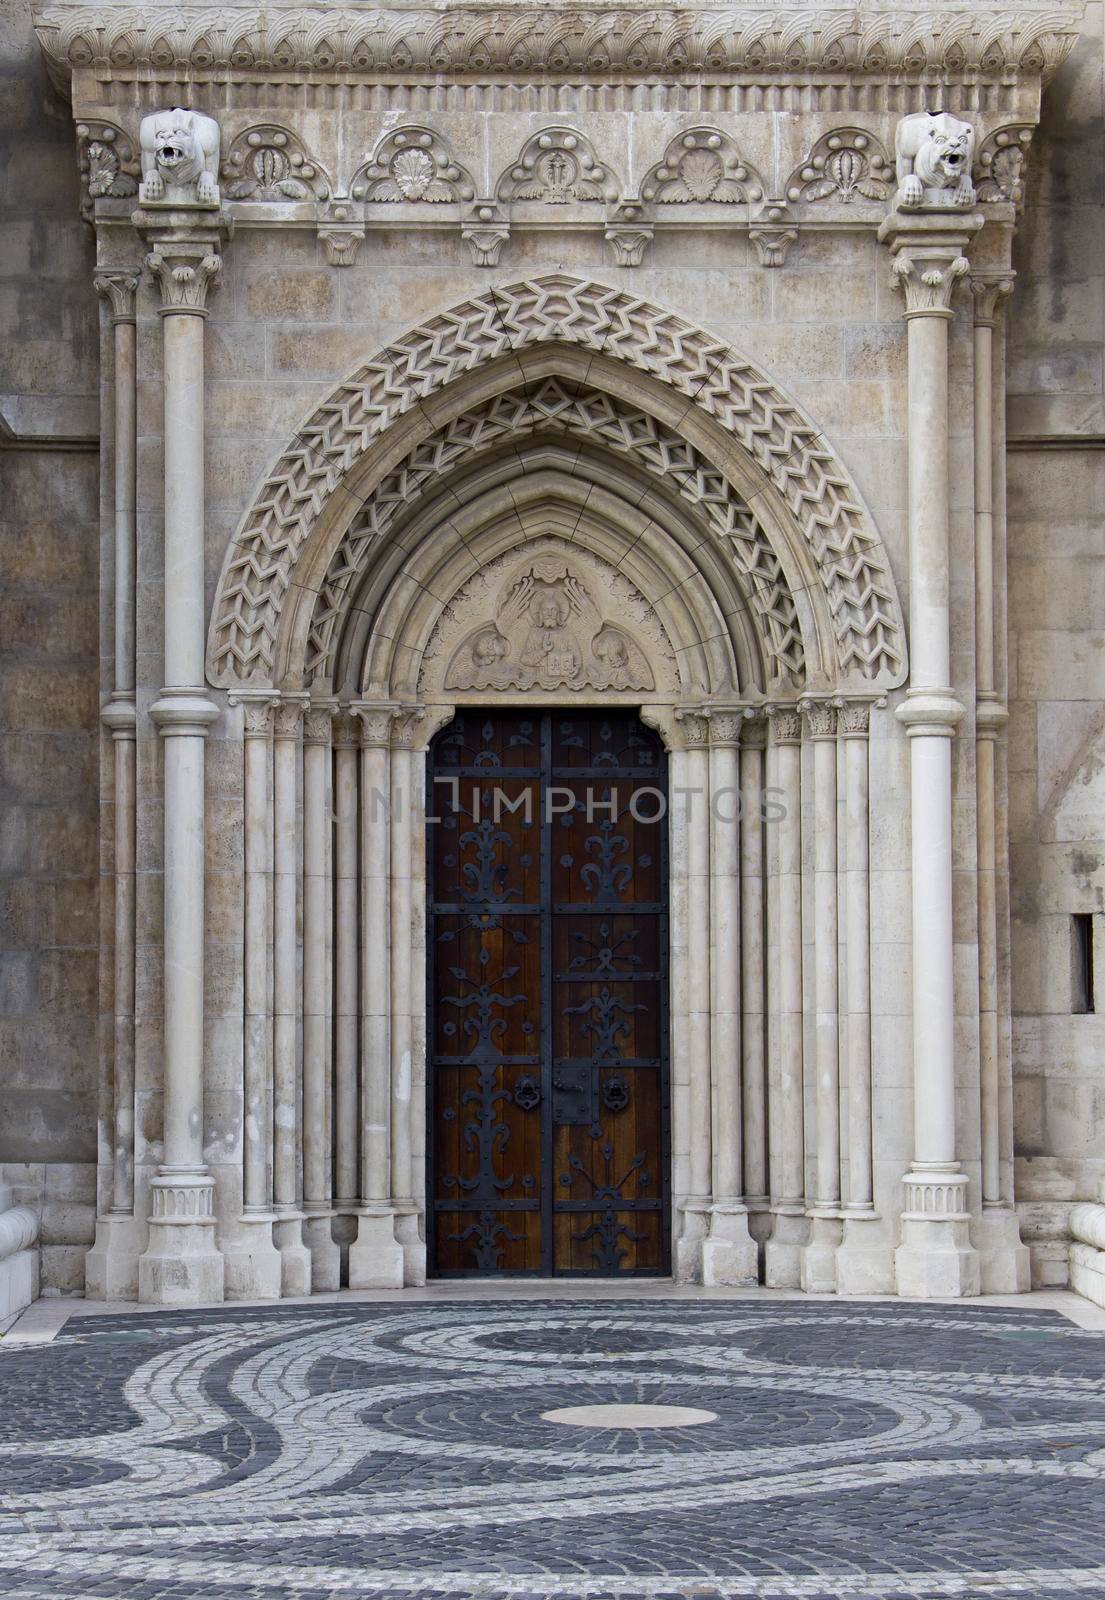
(547, 956)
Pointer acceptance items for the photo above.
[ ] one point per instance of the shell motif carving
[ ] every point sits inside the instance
(702, 166)
(412, 165)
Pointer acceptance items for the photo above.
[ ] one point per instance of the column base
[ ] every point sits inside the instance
(935, 1260)
(111, 1266)
(817, 1263)
(376, 1256)
(325, 1255)
(253, 1270)
(19, 1265)
(864, 1266)
(408, 1231)
(1005, 1265)
(693, 1229)
(730, 1257)
(181, 1266)
(295, 1258)
(783, 1251)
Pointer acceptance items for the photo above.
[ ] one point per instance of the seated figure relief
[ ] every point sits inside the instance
(546, 632)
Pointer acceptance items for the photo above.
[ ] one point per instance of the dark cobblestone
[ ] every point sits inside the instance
(400, 1452)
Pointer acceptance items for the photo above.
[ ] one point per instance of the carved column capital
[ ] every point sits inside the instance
(854, 719)
(375, 721)
(257, 713)
(119, 286)
(727, 725)
(186, 267)
(991, 290)
(928, 258)
(345, 732)
(318, 719)
(287, 718)
(405, 727)
(784, 724)
(693, 727)
(820, 718)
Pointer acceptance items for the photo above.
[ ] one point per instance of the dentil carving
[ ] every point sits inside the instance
(180, 159)
(541, 627)
(934, 152)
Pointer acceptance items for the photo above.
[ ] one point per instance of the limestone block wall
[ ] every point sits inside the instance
(1057, 654)
(49, 671)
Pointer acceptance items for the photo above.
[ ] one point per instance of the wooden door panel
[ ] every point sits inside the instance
(548, 999)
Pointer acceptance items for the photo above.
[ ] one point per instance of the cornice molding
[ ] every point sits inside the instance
(526, 41)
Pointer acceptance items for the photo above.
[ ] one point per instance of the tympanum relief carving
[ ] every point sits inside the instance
(550, 619)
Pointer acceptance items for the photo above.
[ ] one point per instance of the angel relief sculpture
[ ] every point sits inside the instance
(548, 633)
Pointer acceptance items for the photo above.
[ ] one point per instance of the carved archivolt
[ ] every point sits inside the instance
(245, 43)
(614, 425)
(553, 618)
(843, 546)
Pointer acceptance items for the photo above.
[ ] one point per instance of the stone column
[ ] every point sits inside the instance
(935, 1257)
(375, 1257)
(863, 1266)
(252, 1259)
(317, 953)
(346, 945)
(406, 814)
(182, 1265)
(782, 1252)
(111, 1266)
(818, 1263)
(287, 1233)
(1004, 1260)
(753, 1029)
(690, 795)
(729, 1254)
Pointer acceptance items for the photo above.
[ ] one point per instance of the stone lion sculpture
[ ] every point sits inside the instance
(180, 158)
(934, 152)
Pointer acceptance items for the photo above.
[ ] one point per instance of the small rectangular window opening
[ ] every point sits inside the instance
(1082, 996)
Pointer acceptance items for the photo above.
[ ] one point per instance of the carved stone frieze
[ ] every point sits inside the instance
(244, 44)
(845, 166)
(179, 151)
(412, 165)
(555, 618)
(557, 166)
(702, 165)
(934, 155)
(271, 163)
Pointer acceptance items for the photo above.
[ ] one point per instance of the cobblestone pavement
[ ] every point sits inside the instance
(400, 1451)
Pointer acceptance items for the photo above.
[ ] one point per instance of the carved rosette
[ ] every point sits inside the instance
(820, 718)
(784, 725)
(185, 270)
(991, 290)
(119, 286)
(927, 276)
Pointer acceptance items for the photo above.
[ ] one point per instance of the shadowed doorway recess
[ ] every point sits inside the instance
(548, 1005)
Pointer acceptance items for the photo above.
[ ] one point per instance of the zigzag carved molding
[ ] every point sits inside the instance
(844, 546)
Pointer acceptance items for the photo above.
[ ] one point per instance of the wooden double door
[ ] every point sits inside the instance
(548, 1004)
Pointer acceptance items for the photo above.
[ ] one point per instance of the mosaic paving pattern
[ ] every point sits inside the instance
(400, 1451)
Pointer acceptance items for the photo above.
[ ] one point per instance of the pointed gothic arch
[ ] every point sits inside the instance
(793, 530)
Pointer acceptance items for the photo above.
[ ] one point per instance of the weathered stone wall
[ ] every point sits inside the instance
(1057, 651)
(49, 642)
